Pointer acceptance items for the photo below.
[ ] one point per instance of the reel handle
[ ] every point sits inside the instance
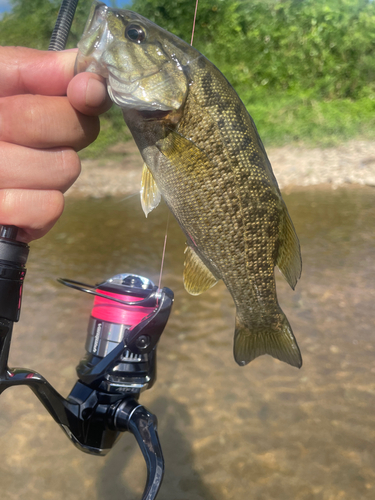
(135, 418)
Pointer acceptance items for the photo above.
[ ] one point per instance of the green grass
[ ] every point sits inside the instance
(285, 119)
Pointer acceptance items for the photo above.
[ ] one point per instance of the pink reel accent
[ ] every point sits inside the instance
(113, 312)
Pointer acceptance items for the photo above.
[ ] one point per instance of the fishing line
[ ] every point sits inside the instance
(163, 255)
(166, 229)
(126, 198)
(195, 17)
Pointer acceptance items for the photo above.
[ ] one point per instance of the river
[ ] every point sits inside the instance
(265, 431)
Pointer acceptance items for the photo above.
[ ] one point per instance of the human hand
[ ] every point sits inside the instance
(46, 116)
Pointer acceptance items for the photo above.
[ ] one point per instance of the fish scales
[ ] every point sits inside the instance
(253, 216)
(203, 154)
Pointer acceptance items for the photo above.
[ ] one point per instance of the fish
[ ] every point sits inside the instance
(202, 153)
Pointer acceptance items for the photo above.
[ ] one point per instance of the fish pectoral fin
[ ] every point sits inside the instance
(277, 341)
(289, 258)
(150, 194)
(197, 277)
(182, 152)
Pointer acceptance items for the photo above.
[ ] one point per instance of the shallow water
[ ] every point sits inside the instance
(266, 431)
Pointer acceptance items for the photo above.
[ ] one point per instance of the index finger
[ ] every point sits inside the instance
(31, 71)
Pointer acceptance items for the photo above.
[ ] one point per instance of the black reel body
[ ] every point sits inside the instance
(128, 316)
(127, 319)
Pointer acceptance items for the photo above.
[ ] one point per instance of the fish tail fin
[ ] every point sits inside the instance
(278, 342)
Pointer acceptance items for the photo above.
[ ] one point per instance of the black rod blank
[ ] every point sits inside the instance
(63, 24)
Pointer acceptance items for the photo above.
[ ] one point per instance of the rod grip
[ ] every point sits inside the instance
(13, 257)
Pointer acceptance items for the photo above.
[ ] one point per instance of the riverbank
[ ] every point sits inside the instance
(349, 163)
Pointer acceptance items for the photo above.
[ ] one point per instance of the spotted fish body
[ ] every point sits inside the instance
(203, 154)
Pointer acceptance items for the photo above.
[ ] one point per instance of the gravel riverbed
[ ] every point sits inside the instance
(350, 163)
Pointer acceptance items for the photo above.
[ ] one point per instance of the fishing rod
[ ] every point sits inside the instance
(127, 319)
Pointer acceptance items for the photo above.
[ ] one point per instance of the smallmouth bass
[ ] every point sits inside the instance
(203, 154)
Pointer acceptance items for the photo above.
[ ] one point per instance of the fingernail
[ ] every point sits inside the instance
(96, 93)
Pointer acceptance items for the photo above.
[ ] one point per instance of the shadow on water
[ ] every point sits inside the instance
(266, 431)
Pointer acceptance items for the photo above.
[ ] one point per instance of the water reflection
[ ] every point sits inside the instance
(264, 431)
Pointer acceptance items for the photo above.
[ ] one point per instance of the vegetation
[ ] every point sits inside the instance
(304, 68)
(30, 24)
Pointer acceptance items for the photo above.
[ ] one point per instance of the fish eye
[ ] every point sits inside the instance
(135, 33)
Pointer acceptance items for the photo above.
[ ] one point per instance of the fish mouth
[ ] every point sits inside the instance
(133, 93)
(124, 92)
(89, 63)
(120, 89)
(121, 84)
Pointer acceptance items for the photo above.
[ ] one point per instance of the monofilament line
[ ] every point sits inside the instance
(195, 17)
(164, 247)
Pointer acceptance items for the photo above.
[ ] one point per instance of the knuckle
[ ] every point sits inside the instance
(70, 167)
(90, 128)
(52, 204)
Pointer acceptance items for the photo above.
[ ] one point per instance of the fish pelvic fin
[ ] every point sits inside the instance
(150, 194)
(289, 259)
(279, 342)
(197, 277)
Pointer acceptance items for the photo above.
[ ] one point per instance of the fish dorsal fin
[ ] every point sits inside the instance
(197, 277)
(150, 194)
(289, 259)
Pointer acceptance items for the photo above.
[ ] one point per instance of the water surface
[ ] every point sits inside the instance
(266, 431)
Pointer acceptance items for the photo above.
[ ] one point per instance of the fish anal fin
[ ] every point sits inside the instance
(197, 277)
(289, 257)
(150, 194)
(279, 342)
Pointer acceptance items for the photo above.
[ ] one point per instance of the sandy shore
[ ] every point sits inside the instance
(349, 163)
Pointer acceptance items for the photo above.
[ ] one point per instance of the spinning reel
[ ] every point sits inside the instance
(128, 316)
